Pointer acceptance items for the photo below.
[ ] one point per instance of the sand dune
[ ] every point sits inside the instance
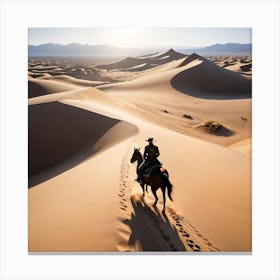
(150, 61)
(77, 210)
(57, 132)
(79, 68)
(170, 54)
(238, 64)
(40, 87)
(154, 96)
(140, 67)
(189, 230)
(37, 75)
(92, 203)
(73, 81)
(125, 63)
(189, 59)
(246, 67)
(216, 82)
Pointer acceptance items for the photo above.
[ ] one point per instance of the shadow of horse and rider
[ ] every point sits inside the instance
(150, 171)
(152, 230)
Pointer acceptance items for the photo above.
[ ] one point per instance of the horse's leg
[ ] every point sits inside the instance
(143, 188)
(163, 194)
(155, 195)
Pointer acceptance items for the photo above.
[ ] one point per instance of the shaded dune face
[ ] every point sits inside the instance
(189, 59)
(35, 89)
(43, 87)
(207, 80)
(57, 132)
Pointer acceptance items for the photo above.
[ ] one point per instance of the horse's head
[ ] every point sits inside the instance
(136, 155)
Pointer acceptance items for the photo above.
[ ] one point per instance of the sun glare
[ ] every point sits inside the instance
(128, 37)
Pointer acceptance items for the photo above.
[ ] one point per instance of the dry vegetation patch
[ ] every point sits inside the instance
(215, 128)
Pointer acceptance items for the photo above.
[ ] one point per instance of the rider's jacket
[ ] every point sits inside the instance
(151, 152)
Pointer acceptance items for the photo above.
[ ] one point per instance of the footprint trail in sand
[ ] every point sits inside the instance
(149, 229)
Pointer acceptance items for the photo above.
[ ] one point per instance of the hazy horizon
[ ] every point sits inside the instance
(143, 47)
(140, 37)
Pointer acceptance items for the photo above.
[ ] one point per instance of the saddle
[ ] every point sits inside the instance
(147, 172)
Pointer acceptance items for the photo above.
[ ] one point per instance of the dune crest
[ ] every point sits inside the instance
(72, 81)
(38, 87)
(150, 61)
(190, 58)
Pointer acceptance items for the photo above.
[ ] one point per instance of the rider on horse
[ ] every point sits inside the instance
(151, 154)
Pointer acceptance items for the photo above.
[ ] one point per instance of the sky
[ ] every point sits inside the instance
(140, 37)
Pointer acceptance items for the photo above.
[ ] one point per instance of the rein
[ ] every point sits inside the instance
(139, 160)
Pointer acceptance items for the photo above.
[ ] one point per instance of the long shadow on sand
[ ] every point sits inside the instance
(152, 229)
(61, 136)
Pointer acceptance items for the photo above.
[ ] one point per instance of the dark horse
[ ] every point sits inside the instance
(158, 178)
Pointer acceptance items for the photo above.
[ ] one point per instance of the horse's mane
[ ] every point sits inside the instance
(138, 151)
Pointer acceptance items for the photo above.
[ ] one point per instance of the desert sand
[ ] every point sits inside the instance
(82, 134)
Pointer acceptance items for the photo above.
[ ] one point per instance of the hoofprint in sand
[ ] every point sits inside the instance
(89, 201)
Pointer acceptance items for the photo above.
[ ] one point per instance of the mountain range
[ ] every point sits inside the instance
(75, 49)
(222, 49)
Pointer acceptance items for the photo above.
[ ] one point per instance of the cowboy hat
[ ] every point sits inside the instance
(150, 140)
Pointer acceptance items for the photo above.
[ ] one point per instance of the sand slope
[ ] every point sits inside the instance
(73, 81)
(97, 206)
(61, 131)
(207, 80)
(76, 211)
(156, 98)
(37, 87)
(244, 146)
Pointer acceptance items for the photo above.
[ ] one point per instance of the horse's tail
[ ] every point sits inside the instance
(169, 186)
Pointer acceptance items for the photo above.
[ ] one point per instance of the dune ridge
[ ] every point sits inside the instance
(40, 87)
(190, 58)
(73, 81)
(150, 61)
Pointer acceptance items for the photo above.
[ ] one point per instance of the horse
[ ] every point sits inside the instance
(158, 178)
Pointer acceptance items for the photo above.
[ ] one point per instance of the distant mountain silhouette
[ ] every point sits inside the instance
(75, 49)
(222, 49)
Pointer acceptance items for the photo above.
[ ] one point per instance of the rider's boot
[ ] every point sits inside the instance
(137, 179)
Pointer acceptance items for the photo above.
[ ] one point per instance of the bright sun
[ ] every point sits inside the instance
(128, 37)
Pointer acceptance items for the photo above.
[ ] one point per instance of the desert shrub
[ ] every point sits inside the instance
(188, 116)
(216, 128)
(165, 111)
(210, 123)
